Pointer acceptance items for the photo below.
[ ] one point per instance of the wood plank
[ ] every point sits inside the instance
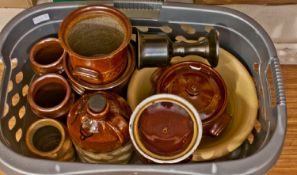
(287, 163)
(271, 2)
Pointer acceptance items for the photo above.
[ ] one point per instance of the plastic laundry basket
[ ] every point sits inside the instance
(239, 34)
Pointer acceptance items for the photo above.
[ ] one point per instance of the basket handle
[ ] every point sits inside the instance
(140, 9)
(278, 82)
(139, 4)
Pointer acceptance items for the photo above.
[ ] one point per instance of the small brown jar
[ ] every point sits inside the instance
(46, 56)
(98, 126)
(50, 96)
(203, 87)
(96, 38)
(48, 138)
(165, 128)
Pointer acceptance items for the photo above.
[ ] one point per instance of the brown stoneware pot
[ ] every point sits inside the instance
(165, 128)
(203, 87)
(50, 96)
(46, 56)
(48, 138)
(96, 38)
(118, 85)
(98, 126)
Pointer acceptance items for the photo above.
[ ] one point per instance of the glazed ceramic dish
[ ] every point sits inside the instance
(242, 103)
(176, 131)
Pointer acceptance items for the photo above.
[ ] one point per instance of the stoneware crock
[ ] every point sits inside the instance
(203, 87)
(96, 38)
(50, 96)
(48, 138)
(98, 126)
(46, 56)
(118, 85)
(165, 128)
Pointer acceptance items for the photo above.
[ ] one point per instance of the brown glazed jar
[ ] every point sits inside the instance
(98, 126)
(96, 38)
(46, 56)
(165, 128)
(50, 96)
(48, 138)
(203, 87)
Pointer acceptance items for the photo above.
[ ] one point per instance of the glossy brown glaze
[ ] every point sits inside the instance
(46, 56)
(50, 96)
(165, 128)
(98, 122)
(96, 38)
(203, 87)
(117, 85)
(48, 138)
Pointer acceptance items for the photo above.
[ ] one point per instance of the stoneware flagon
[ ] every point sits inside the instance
(48, 139)
(203, 87)
(165, 128)
(98, 126)
(96, 38)
(50, 96)
(46, 56)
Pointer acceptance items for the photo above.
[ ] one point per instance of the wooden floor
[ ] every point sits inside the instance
(287, 163)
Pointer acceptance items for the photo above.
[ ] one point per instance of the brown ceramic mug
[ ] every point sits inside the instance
(50, 95)
(46, 56)
(96, 38)
(203, 87)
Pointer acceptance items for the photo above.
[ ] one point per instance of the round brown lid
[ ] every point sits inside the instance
(198, 83)
(165, 128)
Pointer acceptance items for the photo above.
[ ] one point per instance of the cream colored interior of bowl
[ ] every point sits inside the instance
(242, 103)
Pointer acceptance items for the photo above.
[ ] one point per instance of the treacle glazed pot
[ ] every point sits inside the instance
(46, 56)
(48, 138)
(203, 87)
(96, 38)
(50, 96)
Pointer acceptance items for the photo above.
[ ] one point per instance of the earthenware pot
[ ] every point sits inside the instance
(48, 138)
(50, 96)
(118, 85)
(203, 87)
(96, 38)
(46, 56)
(98, 126)
(165, 128)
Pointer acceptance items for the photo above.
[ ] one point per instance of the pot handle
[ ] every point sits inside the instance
(86, 73)
(220, 125)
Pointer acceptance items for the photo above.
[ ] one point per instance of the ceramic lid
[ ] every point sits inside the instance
(198, 83)
(165, 128)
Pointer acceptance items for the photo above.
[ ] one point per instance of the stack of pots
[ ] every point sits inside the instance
(93, 54)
